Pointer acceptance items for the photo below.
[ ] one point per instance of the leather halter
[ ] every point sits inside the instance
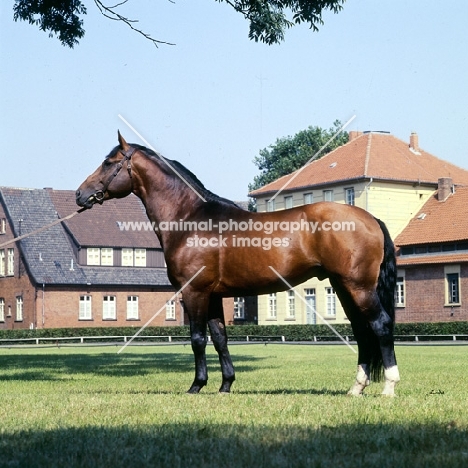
(127, 155)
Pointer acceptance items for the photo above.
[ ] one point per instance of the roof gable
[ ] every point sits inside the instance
(438, 222)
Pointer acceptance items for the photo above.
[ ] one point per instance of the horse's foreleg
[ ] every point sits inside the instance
(219, 338)
(198, 339)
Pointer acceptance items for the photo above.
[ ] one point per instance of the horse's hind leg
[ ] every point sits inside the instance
(379, 342)
(219, 338)
(361, 331)
(382, 326)
(361, 334)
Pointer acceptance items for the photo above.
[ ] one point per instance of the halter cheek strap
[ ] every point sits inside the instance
(127, 155)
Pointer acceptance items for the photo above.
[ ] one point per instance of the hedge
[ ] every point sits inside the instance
(290, 332)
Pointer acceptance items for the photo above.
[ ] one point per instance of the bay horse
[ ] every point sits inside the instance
(360, 262)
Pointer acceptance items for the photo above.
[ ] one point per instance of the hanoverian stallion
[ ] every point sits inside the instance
(359, 262)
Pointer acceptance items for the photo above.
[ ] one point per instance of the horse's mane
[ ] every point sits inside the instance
(187, 174)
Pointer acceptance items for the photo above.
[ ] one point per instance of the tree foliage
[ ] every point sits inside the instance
(58, 17)
(290, 153)
(269, 19)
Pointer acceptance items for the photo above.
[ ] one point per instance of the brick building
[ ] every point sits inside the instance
(86, 271)
(433, 259)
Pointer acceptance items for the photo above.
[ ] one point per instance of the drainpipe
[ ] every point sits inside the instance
(367, 195)
(43, 305)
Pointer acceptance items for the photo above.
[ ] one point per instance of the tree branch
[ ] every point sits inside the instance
(110, 13)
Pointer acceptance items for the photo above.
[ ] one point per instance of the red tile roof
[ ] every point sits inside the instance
(438, 222)
(370, 155)
(99, 225)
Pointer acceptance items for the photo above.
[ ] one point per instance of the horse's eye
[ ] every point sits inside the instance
(106, 163)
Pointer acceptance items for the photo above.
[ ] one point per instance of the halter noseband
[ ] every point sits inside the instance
(127, 155)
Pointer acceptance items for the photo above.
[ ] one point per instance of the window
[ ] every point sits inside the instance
(109, 311)
(2, 263)
(288, 202)
(11, 262)
(19, 309)
(2, 226)
(400, 292)
(93, 256)
(291, 304)
(272, 306)
(453, 292)
(331, 302)
(311, 314)
(170, 310)
(239, 308)
(270, 205)
(2, 309)
(140, 257)
(132, 308)
(107, 256)
(308, 198)
(127, 257)
(328, 195)
(349, 196)
(85, 308)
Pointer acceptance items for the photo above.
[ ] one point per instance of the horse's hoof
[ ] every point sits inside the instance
(194, 389)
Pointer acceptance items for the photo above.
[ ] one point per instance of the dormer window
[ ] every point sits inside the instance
(100, 256)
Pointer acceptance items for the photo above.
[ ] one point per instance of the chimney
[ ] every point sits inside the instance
(414, 142)
(353, 134)
(444, 188)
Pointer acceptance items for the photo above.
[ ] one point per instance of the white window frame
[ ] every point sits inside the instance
(109, 308)
(107, 256)
(288, 202)
(93, 256)
(140, 257)
(291, 304)
(452, 270)
(3, 226)
(127, 257)
(272, 309)
(271, 205)
(308, 198)
(11, 263)
(350, 196)
(170, 309)
(2, 263)
(453, 288)
(132, 308)
(328, 195)
(331, 302)
(2, 309)
(400, 291)
(85, 309)
(19, 309)
(239, 308)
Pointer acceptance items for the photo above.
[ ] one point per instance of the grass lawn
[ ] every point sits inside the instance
(90, 407)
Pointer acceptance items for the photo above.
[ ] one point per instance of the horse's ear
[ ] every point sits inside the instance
(122, 142)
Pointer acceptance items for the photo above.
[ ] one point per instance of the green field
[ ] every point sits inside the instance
(73, 407)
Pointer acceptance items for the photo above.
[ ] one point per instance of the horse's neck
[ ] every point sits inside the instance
(165, 197)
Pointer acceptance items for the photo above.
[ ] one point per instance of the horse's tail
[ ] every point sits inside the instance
(386, 292)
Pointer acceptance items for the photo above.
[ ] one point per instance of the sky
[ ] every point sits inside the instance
(215, 99)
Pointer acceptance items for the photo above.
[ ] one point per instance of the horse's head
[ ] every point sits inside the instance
(112, 179)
